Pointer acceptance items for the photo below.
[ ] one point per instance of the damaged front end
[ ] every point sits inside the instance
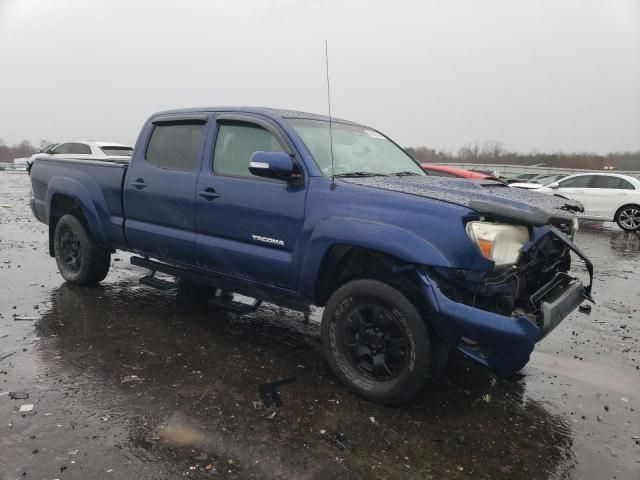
(496, 316)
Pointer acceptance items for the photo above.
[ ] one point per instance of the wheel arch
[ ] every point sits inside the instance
(69, 196)
(619, 210)
(339, 243)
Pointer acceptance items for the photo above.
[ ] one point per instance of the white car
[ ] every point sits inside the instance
(87, 150)
(606, 197)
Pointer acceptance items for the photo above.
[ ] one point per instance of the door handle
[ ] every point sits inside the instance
(209, 194)
(139, 184)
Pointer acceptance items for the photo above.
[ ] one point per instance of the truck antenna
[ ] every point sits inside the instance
(326, 56)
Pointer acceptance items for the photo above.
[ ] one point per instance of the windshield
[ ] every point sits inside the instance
(357, 151)
(117, 151)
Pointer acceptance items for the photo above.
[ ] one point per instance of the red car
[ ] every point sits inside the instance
(441, 171)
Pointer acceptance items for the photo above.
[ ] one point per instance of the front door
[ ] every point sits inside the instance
(577, 188)
(159, 191)
(248, 227)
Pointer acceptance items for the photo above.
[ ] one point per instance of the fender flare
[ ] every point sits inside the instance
(385, 238)
(94, 209)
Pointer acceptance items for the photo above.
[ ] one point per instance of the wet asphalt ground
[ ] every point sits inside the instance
(128, 382)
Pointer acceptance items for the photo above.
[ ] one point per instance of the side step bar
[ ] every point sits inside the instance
(151, 281)
(216, 281)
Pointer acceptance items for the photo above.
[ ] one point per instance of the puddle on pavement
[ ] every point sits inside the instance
(589, 373)
(196, 403)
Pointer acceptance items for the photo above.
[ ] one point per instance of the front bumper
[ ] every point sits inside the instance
(504, 343)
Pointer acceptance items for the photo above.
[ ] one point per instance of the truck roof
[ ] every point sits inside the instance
(274, 113)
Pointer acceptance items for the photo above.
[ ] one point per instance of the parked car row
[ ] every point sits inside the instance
(607, 197)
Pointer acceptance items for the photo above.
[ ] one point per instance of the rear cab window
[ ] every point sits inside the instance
(176, 145)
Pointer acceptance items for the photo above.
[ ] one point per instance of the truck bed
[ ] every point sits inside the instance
(99, 183)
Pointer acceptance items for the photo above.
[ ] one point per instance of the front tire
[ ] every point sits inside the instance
(376, 341)
(628, 218)
(80, 259)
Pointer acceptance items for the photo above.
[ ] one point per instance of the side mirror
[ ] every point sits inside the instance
(277, 165)
(553, 185)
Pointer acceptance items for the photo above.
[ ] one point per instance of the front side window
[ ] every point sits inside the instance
(176, 146)
(576, 182)
(357, 151)
(235, 144)
(63, 149)
(603, 181)
(80, 149)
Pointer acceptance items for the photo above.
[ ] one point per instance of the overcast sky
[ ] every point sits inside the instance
(536, 75)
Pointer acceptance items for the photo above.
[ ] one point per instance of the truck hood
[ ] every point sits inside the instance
(491, 198)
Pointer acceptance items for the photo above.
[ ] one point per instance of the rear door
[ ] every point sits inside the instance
(608, 194)
(159, 190)
(248, 227)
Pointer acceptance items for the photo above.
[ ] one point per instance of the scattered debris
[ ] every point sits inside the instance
(130, 378)
(7, 355)
(269, 392)
(26, 407)
(486, 397)
(338, 439)
(373, 420)
(18, 395)
(585, 308)
(272, 416)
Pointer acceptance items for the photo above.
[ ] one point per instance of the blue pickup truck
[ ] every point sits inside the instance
(299, 209)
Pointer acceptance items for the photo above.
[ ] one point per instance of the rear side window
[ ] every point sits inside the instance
(80, 149)
(176, 146)
(577, 182)
(602, 181)
(236, 143)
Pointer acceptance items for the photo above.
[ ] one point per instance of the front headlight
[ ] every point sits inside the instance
(499, 242)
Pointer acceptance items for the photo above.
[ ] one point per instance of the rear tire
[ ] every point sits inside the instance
(376, 342)
(628, 218)
(80, 259)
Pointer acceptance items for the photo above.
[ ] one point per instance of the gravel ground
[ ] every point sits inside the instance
(126, 381)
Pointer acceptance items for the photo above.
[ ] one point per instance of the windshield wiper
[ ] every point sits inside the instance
(406, 174)
(359, 174)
